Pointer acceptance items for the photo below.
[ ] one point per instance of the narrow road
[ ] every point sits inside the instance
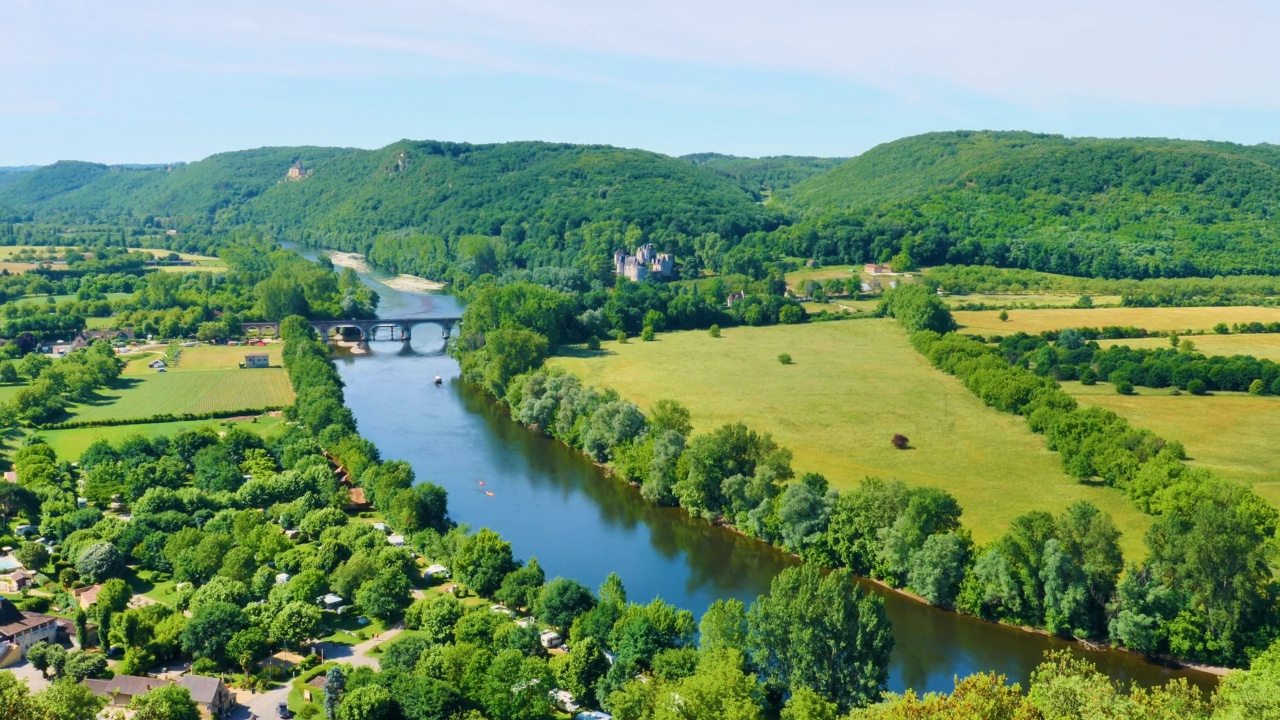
(357, 655)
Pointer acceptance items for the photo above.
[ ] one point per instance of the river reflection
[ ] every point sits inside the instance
(553, 503)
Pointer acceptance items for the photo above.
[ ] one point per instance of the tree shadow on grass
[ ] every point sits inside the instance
(96, 399)
(582, 351)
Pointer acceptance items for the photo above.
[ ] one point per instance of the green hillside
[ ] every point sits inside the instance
(529, 193)
(1081, 206)
(761, 177)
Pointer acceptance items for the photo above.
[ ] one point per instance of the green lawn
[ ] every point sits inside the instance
(71, 444)
(157, 586)
(1232, 434)
(854, 385)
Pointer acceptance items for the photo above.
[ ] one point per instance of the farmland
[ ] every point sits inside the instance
(1262, 346)
(1162, 319)
(205, 379)
(9, 259)
(1231, 434)
(853, 385)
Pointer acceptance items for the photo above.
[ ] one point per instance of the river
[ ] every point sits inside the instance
(550, 502)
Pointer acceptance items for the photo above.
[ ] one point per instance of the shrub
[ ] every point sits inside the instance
(714, 332)
(593, 343)
(1197, 387)
(1004, 316)
(647, 334)
(1124, 387)
(1257, 387)
(900, 442)
(785, 358)
(621, 336)
(1088, 377)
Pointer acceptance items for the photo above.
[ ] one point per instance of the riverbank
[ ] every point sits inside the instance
(403, 283)
(455, 434)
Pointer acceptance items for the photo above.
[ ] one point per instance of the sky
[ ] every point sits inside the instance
(141, 81)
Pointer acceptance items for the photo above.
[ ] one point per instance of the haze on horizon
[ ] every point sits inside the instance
(146, 81)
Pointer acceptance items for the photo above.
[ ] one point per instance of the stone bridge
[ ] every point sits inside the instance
(401, 328)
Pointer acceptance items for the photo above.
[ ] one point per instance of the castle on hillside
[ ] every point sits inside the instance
(647, 261)
(296, 173)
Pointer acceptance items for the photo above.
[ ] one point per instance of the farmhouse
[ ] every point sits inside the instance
(19, 630)
(257, 360)
(877, 269)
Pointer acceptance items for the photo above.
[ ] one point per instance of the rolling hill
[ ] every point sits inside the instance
(445, 189)
(1081, 206)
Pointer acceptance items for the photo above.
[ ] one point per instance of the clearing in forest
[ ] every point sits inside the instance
(853, 385)
(1160, 319)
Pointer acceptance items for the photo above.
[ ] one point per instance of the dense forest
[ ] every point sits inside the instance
(1129, 208)
(1125, 208)
(761, 177)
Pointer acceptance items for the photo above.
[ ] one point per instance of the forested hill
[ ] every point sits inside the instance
(763, 176)
(1082, 206)
(1128, 208)
(526, 192)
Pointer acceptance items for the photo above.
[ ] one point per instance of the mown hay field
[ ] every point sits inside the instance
(1231, 434)
(1259, 345)
(1162, 319)
(853, 385)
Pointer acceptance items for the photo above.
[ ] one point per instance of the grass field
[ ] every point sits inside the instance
(1232, 434)
(71, 444)
(205, 379)
(203, 263)
(1052, 299)
(1258, 345)
(987, 322)
(853, 385)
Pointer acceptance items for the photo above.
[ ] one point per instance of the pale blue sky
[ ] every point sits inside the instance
(150, 81)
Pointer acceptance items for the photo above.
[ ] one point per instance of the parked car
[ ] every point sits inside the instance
(284, 711)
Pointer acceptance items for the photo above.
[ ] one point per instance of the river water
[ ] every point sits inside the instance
(550, 502)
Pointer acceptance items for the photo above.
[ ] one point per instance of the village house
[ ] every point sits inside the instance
(356, 500)
(16, 581)
(20, 630)
(86, 338)
(736, 298)
(87, 596)
(877, 269)
(647, 261)
(257, 360)
(211, 697)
